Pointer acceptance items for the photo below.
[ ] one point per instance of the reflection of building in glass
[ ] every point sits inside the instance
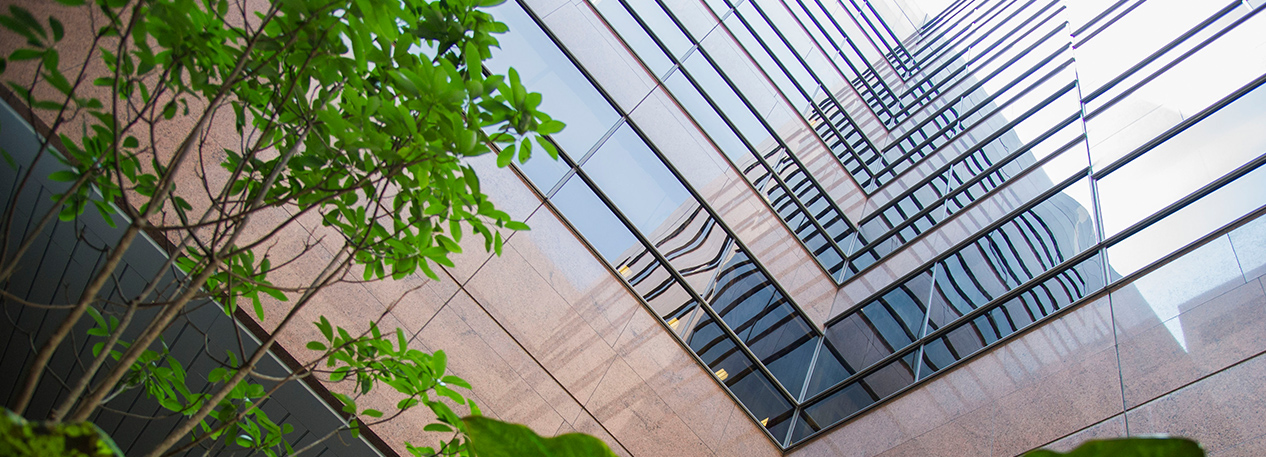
(984, 149)
(957, 178)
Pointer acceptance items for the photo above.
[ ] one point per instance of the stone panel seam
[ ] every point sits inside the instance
(538, 363)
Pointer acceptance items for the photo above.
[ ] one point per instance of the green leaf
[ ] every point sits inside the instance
(27, 19)
(550, 127)
(1128, 447)
(259, 307)
(56, 26)
(316, 346)
(63, 176)
(80, 438)
(548, 146)
(525, 151)
(439, 362)
(407, 403)
(372, 413)
(8, 158)
(493, 438)
(456, 381)
(25, 54)
(437, 428)
(326, 329)
(96, 316)
(506, 156)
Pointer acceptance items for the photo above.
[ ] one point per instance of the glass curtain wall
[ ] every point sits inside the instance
(1060, 146)
(1104, 158)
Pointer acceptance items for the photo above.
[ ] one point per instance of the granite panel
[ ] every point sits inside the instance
(869, 434)
(498, 385)
(675, 136)
(554, 333)
(680, 381)
(1205, 338)
(555, 253)
(1224, 411)
(636, 416)
(1248, 448)
(514, 355)
(1108, 429)
(586, 424)
(505, 188)
(697, 18)
(967, 435)
(1177, 286)
(471, 258)
(579, 29)
(813, 290)
(1039, 387)
(743, 437)
(746, 76)
(1066, 377)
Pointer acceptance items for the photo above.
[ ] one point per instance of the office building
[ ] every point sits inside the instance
(872, 227)
(873, 196)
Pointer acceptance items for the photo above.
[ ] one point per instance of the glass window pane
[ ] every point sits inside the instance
(1200, 154)
(1165, 100)
(897, 375)
(879, 329)
(732, 367)
(662, 26)
(1006, 318)
(636, 181)
(727, 101)
(565, 92)
(586, 212)
(695, 245)
(627, 28)
(1137, 35)
(1205, 215)
(711, 122)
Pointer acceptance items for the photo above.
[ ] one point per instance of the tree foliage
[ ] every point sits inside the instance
(358, 114)
(493, 438)
(22, 438)
(1155, 446)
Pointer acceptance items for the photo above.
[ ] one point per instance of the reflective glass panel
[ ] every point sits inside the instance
(586, 212)
(636, 181)
(565, 92)
(731, 366)
(879, 329)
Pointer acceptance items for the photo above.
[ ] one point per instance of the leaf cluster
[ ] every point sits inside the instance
(22, 438)
(418, 377)
(362, 114)
(1144, 446)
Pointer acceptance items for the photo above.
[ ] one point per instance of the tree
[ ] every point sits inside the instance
(1150, 446)
(356, 113)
